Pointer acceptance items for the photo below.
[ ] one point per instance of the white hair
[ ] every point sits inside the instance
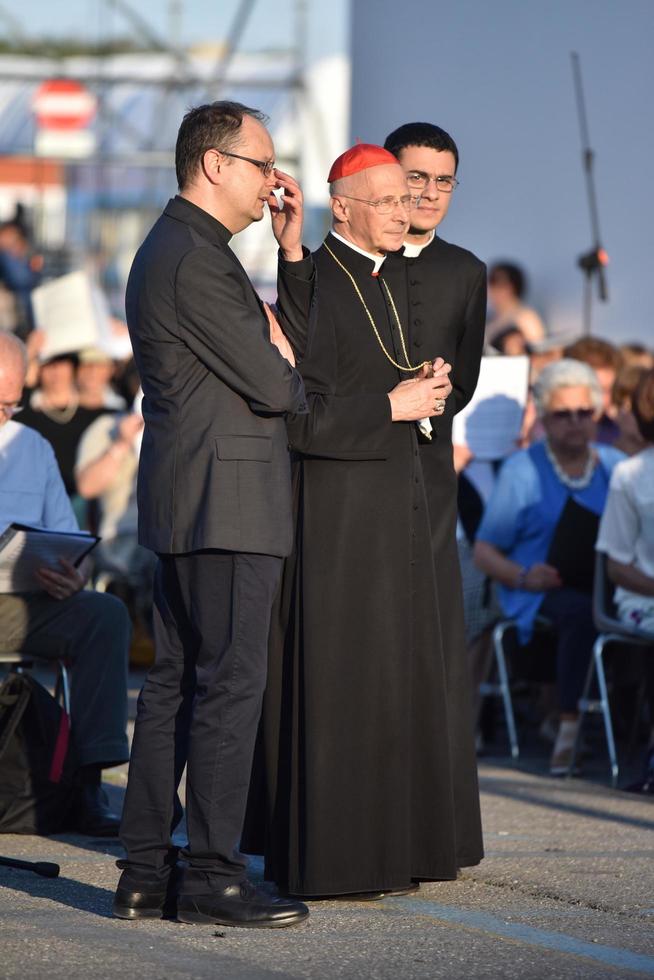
(566, 373)
(12, 346)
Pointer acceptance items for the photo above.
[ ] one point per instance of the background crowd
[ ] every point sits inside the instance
(587, 436)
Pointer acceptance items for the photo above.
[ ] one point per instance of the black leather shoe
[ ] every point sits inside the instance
(241, 904)
(130, 904)
(91, 814)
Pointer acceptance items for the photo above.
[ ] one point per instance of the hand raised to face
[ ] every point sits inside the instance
(287, 220)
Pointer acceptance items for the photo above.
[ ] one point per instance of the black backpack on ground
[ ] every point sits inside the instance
(36, 759)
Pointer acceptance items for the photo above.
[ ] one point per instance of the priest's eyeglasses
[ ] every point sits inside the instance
(386, 205)
(420, 181)
(265, 166)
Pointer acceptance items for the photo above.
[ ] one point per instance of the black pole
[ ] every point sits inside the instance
(591, 263)
(44, 868)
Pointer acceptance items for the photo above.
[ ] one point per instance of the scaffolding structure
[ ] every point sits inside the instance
(113, 196)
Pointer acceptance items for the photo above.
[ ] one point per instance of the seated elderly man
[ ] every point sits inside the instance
(59, 619)
(537, 536)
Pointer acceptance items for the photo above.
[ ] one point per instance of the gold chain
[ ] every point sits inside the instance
(388, 357)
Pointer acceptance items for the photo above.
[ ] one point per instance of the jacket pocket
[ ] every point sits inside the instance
(257, 448)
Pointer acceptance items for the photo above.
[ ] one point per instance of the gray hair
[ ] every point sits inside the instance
(12, 346)
(566, 373)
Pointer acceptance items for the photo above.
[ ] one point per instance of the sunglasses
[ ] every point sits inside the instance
(572, 414)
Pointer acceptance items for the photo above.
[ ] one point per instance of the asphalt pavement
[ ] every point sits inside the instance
(566, 890)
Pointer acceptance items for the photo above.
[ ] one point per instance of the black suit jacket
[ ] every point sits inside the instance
(214, 469)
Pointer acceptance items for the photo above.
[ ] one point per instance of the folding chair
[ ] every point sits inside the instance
(25, 661)
(611, 630)
(502, 686)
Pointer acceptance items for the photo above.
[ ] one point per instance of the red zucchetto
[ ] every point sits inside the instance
(357, 158)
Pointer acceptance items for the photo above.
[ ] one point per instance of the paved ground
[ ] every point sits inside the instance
(566, 891)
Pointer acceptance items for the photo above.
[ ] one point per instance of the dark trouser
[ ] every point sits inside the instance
(571, 614)
(91, 631)
(200, 705)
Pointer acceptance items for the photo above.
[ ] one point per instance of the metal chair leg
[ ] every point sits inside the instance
(584, 708)
(598, 652)
(505, 690)
(62, 688)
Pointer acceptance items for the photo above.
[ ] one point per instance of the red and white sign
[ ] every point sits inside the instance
(64, 109)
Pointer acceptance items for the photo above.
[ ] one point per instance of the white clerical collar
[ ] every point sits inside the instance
(412, 251)
(378, 260)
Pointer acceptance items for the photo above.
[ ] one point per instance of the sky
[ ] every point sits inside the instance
(498, 77)
(268, 25)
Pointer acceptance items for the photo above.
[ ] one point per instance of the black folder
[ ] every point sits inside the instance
(572, 549)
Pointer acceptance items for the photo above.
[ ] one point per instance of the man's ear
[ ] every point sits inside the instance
(212, 161)
(339, 208)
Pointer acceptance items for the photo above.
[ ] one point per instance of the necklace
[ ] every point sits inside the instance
(400, 367)
(572, 482)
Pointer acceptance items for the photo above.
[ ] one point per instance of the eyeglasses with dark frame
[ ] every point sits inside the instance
(420, 181)
(386, 205)
(265, 166)
(572, 414)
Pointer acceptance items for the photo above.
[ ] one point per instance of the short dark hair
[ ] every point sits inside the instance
(503, 272)
(596, 352)
(421, 134)
(642, 406)
(216, 124)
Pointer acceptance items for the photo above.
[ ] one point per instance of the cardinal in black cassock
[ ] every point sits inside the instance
(355, 737)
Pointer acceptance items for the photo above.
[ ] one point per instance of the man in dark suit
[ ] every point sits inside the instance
(214, 501)
(446, 295)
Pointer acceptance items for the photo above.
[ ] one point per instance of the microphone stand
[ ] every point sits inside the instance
(43, 868)
(593, 262)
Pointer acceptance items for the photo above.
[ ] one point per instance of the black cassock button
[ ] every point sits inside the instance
(414, 282)
(417, 343)
(416, 302)
(417, 322)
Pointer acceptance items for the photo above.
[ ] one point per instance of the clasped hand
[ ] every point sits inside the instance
(422, 396)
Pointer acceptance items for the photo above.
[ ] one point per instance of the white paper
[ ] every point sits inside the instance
(490, 424)
(72, 313)
(28, 551)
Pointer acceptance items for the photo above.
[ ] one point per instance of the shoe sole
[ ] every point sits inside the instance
(200, 918)
(127, 912)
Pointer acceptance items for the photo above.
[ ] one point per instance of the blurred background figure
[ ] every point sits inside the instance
(605, 360)
(532, 496)
(630, 439)
(626, 536)
(94, 375)
(51, 406)
(507, 287)
(20, 273)
(511, 342)
(636, 355)
(106, 470)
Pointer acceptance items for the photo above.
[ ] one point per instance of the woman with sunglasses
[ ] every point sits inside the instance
(538, 533)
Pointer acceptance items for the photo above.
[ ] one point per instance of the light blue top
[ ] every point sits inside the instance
(31, 488)
(522, 514)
